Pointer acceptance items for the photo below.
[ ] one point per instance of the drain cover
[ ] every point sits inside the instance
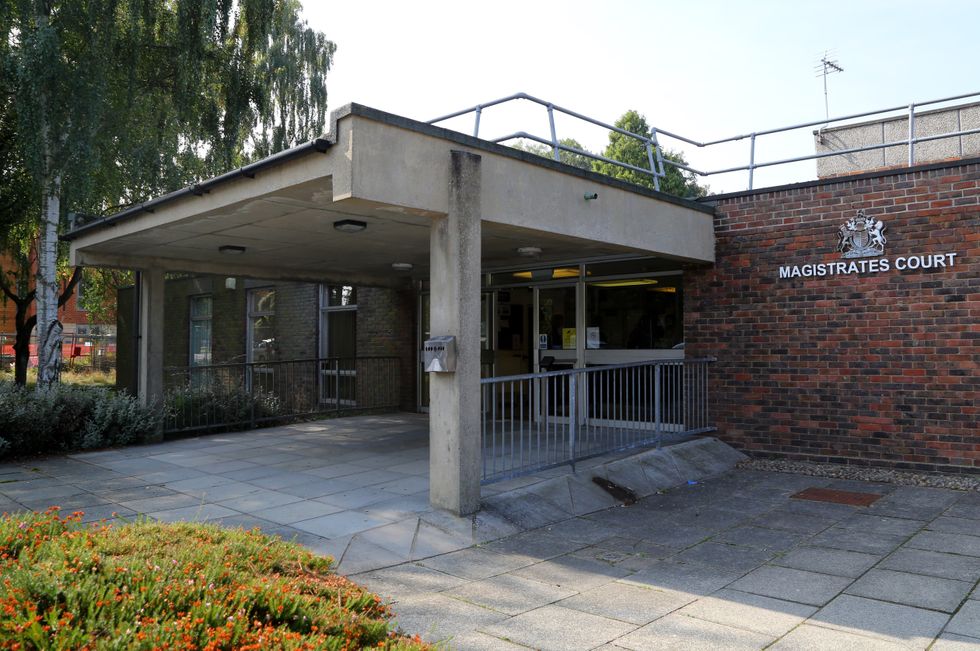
(851, 498)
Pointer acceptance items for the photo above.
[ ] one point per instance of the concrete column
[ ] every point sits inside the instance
(150, 379)
(454, 402)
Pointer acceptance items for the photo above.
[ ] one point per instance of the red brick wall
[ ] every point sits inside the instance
(874, 368)
(69, 314)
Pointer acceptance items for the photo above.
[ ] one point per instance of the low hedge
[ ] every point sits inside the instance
(66, 418)
(175, 586)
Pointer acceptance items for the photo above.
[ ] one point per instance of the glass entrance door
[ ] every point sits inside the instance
(557, 341)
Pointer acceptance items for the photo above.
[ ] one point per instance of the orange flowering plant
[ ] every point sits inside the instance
(147, 585)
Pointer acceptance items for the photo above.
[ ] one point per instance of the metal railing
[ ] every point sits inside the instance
(542, 420)
(658, 161)
(244, 395)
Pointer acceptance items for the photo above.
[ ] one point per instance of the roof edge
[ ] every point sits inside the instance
(837, 180)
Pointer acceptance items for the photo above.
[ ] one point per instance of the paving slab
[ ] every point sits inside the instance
(966, 621)
(770, 617)
(856, 540)
(677, 632)
(796, 522)
(881, 525)
(892, 622)
(510, 594)
(825, 560)
(475, 563)
(559, 629)
(792, 585)
(911, 589)
(686, 578)
(761, 538)
(947, 524)
(921, 561)
(817, 638)
(627, 602)
(437, 617)
(728, 556)
(340, 524)
(951, 642)
(572, 572)
(952, 543)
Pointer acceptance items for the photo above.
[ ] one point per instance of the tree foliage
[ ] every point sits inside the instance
(567, 157)
(115, 101)
(632, 151)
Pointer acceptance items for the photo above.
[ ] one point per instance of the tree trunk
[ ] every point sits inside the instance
(22, 344)
(46, 284)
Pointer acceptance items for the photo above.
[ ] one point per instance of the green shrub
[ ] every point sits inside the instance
(215, 406)
(176, 586)
(67, 418)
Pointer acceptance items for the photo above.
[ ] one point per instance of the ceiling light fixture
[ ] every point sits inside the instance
(231, 249)
(626, 282)
(349, 226)
(402, 266)
(528, 251)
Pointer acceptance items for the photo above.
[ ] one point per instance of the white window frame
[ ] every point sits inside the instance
(192, 320)
(330, 375)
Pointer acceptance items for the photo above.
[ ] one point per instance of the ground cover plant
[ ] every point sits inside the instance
(150, 585)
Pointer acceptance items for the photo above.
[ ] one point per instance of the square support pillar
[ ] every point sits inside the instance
(150, 380)
(454, 398)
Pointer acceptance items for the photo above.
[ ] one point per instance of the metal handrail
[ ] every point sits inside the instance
(657, 160)
(594, 369)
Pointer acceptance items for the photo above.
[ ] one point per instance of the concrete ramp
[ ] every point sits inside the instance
(566, 496)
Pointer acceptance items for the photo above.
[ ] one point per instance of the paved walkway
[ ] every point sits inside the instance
(728, 563)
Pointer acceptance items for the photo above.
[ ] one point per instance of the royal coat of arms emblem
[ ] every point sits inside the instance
(861, 237)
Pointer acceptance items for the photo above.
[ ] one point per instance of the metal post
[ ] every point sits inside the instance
(656, 404)
(751, 160)
(250, 375)
(476, 127)
(572, 414)
(911, 135)
(554, 135)
(653, 166)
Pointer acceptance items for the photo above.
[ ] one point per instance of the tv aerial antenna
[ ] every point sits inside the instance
(827, 66)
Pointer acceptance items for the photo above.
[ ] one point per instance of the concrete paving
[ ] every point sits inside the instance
(731, 561)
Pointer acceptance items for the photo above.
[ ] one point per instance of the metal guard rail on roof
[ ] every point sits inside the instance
(657, 161)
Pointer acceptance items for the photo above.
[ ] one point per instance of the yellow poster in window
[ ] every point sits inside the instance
(568, 338)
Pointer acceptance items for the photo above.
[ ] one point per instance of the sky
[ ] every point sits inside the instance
(704, 69)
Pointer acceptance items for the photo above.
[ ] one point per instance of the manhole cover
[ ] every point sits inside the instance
(851, 498)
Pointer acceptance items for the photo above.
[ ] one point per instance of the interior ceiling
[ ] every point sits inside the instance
(293, 229)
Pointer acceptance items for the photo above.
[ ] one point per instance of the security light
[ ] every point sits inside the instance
(589, 196)
(349, 226)
(231, 249)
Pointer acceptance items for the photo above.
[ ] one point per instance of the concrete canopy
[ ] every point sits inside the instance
(391, 173)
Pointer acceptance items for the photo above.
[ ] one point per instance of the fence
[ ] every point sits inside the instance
(97, 352)
(657, 161)
(242, 395)
(542, 420)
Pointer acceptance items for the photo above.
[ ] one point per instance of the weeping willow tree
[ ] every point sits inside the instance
(116, 101)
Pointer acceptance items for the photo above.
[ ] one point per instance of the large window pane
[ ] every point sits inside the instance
(200, 330)
(638, 313)
(261, 325)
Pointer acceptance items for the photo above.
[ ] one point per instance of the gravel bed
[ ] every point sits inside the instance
(864, 473)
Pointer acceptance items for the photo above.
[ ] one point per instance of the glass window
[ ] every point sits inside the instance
(338, 321)
(635, 313)
(200, 330)
(261, 325)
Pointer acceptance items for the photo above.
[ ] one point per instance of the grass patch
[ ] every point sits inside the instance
(148, 585)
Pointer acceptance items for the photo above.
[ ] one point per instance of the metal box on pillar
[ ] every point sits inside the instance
(439, 354)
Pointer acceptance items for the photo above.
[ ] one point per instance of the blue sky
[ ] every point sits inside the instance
(703, 69)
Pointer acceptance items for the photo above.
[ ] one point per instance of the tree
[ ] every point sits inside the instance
(567, 157)
(118, 100)
(634, 152)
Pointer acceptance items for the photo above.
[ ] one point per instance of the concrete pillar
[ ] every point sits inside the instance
(150, 379)
(454, 402)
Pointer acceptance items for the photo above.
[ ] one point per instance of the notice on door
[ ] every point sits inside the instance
(568, 338)
(592, 338)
